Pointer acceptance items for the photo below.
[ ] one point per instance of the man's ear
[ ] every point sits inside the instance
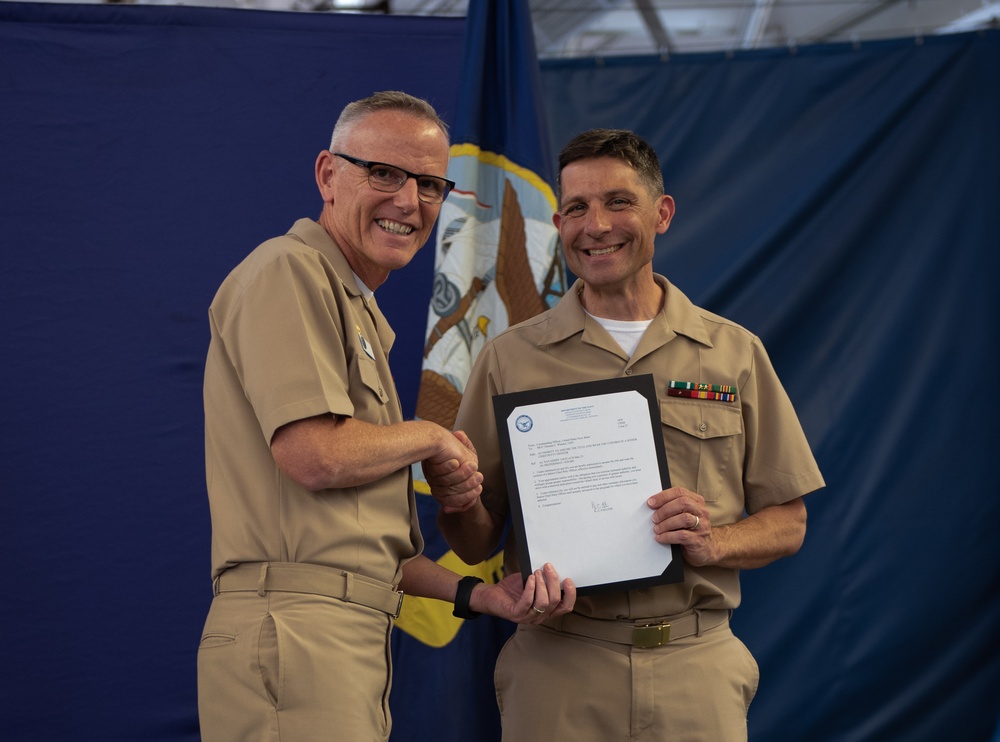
(325, 173)
(667, 209)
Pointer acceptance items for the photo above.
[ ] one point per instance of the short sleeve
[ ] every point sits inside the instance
(284, 334)
(779, 462)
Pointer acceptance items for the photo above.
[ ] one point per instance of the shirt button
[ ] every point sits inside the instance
(703, 427)
(628, 372)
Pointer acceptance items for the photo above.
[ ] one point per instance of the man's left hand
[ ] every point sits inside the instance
(534, 600)
(680, 517)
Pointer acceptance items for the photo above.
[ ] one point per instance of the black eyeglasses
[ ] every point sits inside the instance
(388, 178)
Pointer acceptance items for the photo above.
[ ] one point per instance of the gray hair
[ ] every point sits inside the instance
(386, 100)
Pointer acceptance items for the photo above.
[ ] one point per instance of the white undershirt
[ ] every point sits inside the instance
(627, 333)
(365, 291)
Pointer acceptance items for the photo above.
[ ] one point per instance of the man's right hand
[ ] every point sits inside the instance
(453, 474)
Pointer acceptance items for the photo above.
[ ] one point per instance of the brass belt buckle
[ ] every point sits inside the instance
(651, 635)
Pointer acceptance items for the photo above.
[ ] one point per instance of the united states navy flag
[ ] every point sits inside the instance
(497, 262)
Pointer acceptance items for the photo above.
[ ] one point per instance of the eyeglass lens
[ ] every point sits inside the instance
(388, 178)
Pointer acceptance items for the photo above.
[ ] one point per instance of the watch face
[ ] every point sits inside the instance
(523, 423)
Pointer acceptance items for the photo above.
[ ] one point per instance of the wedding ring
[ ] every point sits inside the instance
(697, 522)
(537, 610)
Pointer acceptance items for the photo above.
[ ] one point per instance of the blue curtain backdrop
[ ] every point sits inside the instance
(144, 151)
(841, 202)
(844, 203)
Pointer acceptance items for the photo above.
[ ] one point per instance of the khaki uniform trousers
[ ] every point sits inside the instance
(293, 667)
(557, 686)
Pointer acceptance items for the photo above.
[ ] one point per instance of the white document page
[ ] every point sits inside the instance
(585, 468)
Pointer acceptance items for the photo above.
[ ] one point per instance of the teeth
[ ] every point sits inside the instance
(394, 227)
(603, 251)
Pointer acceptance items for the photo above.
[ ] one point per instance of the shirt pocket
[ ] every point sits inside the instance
(704, 444)
(365, 372)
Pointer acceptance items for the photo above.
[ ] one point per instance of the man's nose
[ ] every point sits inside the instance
(406, 197)
(598, 222)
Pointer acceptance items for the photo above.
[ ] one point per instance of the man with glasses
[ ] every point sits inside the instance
(314, 528)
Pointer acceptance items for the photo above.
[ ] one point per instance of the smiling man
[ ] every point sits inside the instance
(314, 527)
(737, 456)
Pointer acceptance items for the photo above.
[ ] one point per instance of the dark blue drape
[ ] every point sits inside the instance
(840, 202)
(844, 204)
(144, 151)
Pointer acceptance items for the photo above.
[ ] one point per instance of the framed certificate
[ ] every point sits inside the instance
(581, 460)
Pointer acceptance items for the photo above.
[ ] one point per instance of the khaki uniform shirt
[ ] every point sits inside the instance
(293, 337)
(742, 455)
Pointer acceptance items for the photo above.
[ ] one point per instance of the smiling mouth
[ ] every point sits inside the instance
(393, 227)
(597, 251)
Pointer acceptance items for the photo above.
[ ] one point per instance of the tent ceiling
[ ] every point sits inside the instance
(589, 28)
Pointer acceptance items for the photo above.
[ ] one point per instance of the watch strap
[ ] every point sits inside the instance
(462, 597)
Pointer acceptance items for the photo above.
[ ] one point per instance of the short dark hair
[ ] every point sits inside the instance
(620, 144)
(386, 100)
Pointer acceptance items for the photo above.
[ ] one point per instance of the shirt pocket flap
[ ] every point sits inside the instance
(704, 420)
(368, 374)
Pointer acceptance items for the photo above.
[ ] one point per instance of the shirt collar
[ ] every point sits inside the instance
(312, 233)
(678, 317)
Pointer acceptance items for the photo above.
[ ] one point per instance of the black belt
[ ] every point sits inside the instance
(640, 634)
(291, 577)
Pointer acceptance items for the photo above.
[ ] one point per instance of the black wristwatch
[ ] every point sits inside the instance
(462, 595)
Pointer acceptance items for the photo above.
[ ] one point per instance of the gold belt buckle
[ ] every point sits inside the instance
(651, 635)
